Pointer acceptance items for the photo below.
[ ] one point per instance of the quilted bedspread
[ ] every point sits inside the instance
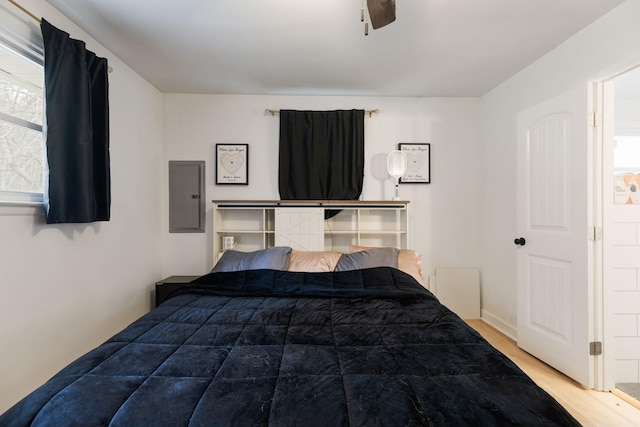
(361, 348)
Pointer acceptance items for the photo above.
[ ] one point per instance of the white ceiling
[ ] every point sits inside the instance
(302, 47)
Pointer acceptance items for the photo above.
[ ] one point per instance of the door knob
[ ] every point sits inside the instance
(520, 241)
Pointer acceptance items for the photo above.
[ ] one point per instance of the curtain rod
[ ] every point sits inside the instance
(22, 8)
(274, 112)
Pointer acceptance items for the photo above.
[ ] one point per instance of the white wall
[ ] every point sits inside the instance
(445, 224)
(607, 47)
(66, 288)
(624, 238)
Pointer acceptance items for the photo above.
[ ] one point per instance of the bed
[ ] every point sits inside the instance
(364, 344)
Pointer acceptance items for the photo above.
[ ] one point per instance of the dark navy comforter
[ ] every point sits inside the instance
(360, 348)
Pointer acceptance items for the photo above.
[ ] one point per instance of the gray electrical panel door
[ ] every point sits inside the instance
(186, 197)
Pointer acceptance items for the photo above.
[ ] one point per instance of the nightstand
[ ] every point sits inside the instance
(165, 286)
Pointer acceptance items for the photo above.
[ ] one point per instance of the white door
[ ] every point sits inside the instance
(554, 302)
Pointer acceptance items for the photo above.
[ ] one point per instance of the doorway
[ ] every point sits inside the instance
(621, 226)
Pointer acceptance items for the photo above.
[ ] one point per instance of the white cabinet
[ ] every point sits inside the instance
(260, 224)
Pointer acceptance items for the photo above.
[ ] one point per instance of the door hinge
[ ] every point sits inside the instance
(595, 233)
(595, 119)
(595, 348)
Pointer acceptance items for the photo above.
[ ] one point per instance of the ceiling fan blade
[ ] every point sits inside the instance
(381, 12)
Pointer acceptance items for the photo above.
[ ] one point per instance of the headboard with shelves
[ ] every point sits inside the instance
(260, 224)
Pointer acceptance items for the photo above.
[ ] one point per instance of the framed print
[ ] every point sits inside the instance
(232, 164)
(418, 163)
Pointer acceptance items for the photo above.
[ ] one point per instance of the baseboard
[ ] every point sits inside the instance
(508, 330)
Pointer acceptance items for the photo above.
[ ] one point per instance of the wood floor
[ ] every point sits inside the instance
(590, 408)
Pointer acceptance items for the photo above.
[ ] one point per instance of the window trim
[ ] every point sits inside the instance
(30, 50)
(20, 198)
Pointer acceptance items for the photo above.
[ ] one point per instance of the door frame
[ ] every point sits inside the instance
(604, 133)
(601, 330)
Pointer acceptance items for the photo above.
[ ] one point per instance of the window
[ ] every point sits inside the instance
(21, 120)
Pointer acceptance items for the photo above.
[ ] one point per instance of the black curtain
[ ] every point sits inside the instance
(321, 154)
(78, 186)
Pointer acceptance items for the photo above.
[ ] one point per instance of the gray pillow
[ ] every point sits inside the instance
(271, 258)
(377, 257)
